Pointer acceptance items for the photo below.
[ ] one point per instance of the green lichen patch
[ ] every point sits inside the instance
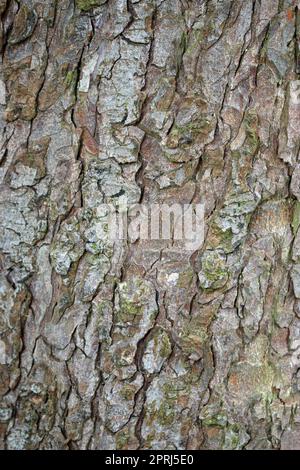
(128, 392)
(122, 440)
(296, 218)
(71, 78)
(185, 279)
(165, 414)
(251, 127)
(135, 299)
(220, 238)
(157, 349)
(193, 336)
(185, 135)
(252, 382)
(218, 420)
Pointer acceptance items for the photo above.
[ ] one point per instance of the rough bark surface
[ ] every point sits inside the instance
(133, 345)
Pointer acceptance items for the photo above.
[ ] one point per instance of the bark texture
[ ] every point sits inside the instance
(133, 345)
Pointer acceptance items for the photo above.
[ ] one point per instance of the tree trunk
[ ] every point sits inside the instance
(142, 344)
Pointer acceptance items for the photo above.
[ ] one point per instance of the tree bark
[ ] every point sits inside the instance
(135, 344)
